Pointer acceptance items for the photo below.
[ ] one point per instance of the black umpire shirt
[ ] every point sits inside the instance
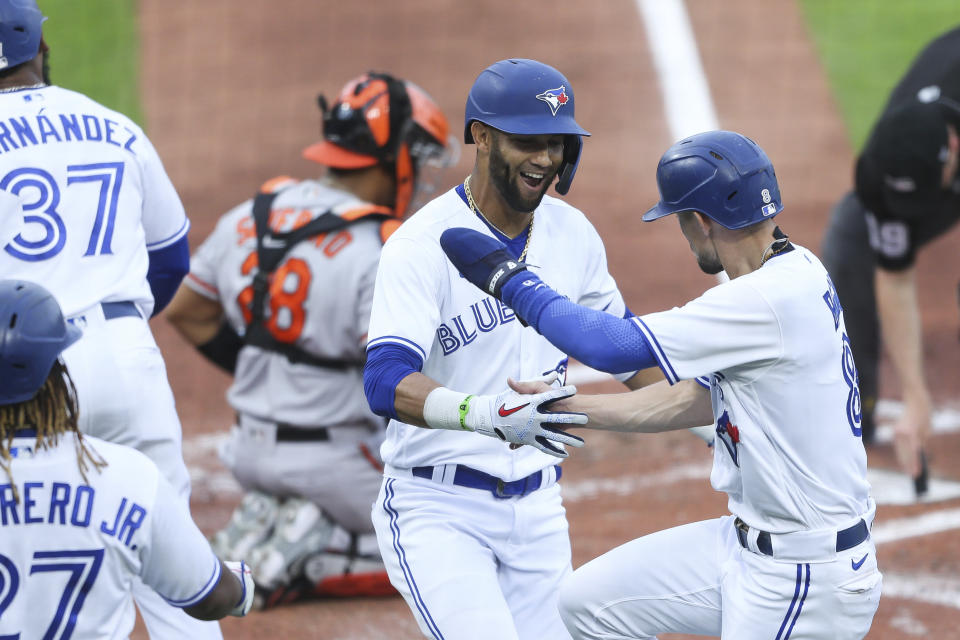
(898, 225)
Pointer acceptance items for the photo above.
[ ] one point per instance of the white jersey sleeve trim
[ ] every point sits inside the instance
(166, 242)
(398, 340)
(658, 353)
(204, 591)
(703, 381)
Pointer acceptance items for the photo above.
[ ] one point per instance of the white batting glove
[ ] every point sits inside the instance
(509, 416)
(242, 571)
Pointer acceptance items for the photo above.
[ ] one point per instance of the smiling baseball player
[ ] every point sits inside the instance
(76, 532)
(101, 226)
(474, 533)
(769, 351)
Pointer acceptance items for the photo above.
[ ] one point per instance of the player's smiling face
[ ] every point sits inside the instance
(522, 167)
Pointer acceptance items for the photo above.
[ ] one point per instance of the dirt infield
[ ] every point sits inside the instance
(229, 88)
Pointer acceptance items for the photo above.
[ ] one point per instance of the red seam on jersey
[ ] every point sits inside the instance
(206, 285)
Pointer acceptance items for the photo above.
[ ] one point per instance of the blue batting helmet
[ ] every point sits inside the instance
(20, 31)
(526, 97)
(723, 175)
(33, 333)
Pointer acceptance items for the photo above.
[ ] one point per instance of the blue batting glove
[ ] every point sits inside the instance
(482, 259)
(485, 262)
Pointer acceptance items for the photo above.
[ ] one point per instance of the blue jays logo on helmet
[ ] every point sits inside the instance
(556, 98)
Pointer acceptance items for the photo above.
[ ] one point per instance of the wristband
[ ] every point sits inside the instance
(463, 410)
(447, 409)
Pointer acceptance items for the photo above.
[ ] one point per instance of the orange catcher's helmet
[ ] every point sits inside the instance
(381, 120)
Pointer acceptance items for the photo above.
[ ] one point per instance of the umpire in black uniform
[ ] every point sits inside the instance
(906, 193)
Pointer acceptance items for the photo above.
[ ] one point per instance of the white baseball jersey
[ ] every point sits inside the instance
(71, 550)
(784, 392)
(95, 199)
(469, 341)
(323, 307)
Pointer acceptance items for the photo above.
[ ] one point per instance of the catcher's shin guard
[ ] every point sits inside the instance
(302, 530)
(252, 522)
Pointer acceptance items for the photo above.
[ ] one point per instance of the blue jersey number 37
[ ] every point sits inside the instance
(47, 231)
(849, 368)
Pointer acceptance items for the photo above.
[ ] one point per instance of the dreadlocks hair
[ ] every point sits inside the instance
(52, 412)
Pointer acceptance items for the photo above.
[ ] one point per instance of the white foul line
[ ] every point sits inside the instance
(686, 95)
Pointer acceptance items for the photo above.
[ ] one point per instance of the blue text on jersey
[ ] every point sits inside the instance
(484, 316)
(19, 132)
(64, 504)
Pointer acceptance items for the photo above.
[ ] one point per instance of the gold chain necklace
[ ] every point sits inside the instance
(773, 250)
(476, 210)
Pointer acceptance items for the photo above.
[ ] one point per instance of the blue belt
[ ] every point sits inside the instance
(846, 539)
(473, 479)
(111, 310)
(123, 309)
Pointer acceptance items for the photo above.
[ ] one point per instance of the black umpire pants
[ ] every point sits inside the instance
(848, 257)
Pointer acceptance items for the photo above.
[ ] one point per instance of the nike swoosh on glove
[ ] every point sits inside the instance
(525, 419)
(482, 259)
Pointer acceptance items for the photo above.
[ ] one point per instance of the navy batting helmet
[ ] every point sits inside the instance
(33, 333)
(20, 32)
(526, 97)
(723, 175)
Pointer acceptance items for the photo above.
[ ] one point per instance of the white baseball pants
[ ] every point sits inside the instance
(698, 579)
(472, 566)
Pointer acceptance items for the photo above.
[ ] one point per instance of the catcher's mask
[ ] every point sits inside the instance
(723, 175)
(380, 120)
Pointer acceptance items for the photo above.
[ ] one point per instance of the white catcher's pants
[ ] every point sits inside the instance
(125, 398)
(471, 566)
(697, 579)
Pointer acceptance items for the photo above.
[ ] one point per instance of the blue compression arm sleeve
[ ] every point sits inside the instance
(387, 364)
(167, 268)
(595, 338)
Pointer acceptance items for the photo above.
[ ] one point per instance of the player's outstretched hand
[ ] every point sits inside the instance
(525, 419)
(482, 259)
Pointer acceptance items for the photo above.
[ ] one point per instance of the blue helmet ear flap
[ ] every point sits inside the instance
(572, 147)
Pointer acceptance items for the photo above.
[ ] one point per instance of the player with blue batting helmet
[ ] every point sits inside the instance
(20, 32)
(33, 334)
(722, 174)
(526, 97)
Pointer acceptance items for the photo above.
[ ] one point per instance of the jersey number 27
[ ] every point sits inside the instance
(82, 567)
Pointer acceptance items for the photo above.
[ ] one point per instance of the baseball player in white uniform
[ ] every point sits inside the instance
(76, 531)
(306, 444)
(768, 351)
(472, 531)
(104, 230)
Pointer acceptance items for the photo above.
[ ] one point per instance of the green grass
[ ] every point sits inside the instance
(94, 49)
(867, 45)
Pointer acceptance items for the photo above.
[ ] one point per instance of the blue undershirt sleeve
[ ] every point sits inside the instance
(595, 338)
(387, 364)
(167, 268)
